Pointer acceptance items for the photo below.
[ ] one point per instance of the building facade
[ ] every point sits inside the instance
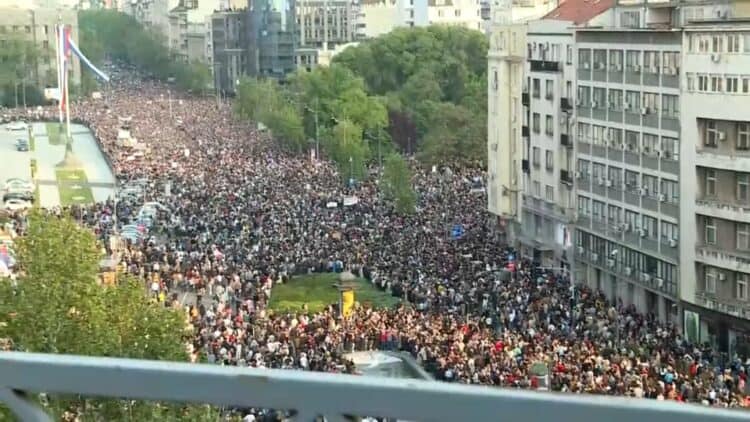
(272, 38)
(715, 170)
(323, 25)
(465, 13)
(38, 26)
(226, 48)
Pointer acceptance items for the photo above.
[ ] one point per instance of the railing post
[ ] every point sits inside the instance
(22, 407)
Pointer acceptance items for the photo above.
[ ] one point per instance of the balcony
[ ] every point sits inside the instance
(525, 131)
(730, 260)
(313, 394)
(566, 177)
(565, 140)
(525, 98)
(565, 104)
(736, 160)
(544, 66)
(722, 209)
(731, 306)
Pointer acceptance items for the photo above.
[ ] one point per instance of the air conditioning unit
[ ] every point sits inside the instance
(626, 106)
(672, 70)
(722, 277)
(628, 271)
(636, 68)
(578, 175)
(610, 262)
(662, 197)
(618, 67)
(580, 250)
(608, 183)
(644, 111)
(593, 104)
(643, 191)
(722, 136)
(672, 243)
(642, 233)
(601, 181)
(659, 282)
(645, 277)
(587, 65)
(594, 256)
(716, 57)
(654, 69)
(625, 227)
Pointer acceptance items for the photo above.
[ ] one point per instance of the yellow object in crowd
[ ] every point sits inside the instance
(347, 302)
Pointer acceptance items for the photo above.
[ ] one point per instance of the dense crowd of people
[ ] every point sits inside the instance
(242, 216)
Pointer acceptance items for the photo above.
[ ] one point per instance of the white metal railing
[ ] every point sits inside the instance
(314, 394)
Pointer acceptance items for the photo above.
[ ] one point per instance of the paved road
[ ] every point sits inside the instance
(13, 164)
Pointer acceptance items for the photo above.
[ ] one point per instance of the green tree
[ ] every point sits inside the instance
(256, 98)
(58, 307)
(18, 73)
(287, 127)
(396, 184)
(344, 146)
(454, 135)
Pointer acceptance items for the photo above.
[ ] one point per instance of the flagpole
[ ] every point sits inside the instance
(59, 73)
(67, 102)
(66, 82)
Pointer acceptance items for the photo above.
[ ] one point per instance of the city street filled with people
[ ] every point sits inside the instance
(233, 216)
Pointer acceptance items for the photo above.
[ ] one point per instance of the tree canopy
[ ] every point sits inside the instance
(57, 306)
(426, 72)
(396, 184)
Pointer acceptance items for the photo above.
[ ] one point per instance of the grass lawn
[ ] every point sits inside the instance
(317, 291)
(55, 136)
(69, 194)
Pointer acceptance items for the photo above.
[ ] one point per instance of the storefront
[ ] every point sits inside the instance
(727, 334)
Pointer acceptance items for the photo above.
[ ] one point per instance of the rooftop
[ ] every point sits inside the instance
(579, 11)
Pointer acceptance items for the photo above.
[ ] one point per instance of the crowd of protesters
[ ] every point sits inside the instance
(241, 216)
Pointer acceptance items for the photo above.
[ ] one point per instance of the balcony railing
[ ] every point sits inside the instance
(722, 258)
(735, 307)
(315, 394)
(544, 66)
(722, 209)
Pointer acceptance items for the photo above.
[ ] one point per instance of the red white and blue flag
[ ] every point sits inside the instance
(66, 46)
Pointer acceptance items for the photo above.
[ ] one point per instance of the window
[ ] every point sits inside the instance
(569, 55)
(549, 193)
(583, 167)
(630, 19)
(670, 105)
(651, 61)
(710, 230)
(584, 205)
(549, 160)
(710, 280)
(712, 134)
(671, 191)
(742, 286)
(690, 79)
(649, 224)
(535, 156)
(633, 141)
(597, 212)
(733, 43)
(745, 85)
(710, 182)
(671, 62)
(702, 83)
(615, 99)
(598, 135)
(535, 122)
(537, 189)
(614, 214)
(717, 43)
(732, 84)
(669, 232)
(548, 89)
(743, 187)
(650, 185)
(743, 135)
(632, 220)
(615, 137)
(584, 58)
(615, 60)
(670, 148)
(632, 101)
(651, 102)
(716, 84)
(584, 132)
(650, 144)
(600, 59)
(615, 176)
(598, 172)
(548, 126)
(584, 96)
(746, 43)
(633, 59)
(535, 88)
(743, 236)
(598, 98)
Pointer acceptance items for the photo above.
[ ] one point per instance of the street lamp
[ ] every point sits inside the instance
(351, 170)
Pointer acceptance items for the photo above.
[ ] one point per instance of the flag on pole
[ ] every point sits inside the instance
(65, 47)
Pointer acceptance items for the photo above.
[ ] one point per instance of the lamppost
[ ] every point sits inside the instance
(351, 170)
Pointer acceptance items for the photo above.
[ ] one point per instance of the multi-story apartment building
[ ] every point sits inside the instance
(323, 25)
(378, 17)
(38, 26)
(188, 27)
(628, 173)
(272, 38)
(466, 13)
(225, 48)
(151, 13)
(715, 171)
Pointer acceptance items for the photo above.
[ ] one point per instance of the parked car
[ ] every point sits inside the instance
(22, 145)
(17, 204)
(19, 125)
(15, 183)
(20, 195)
